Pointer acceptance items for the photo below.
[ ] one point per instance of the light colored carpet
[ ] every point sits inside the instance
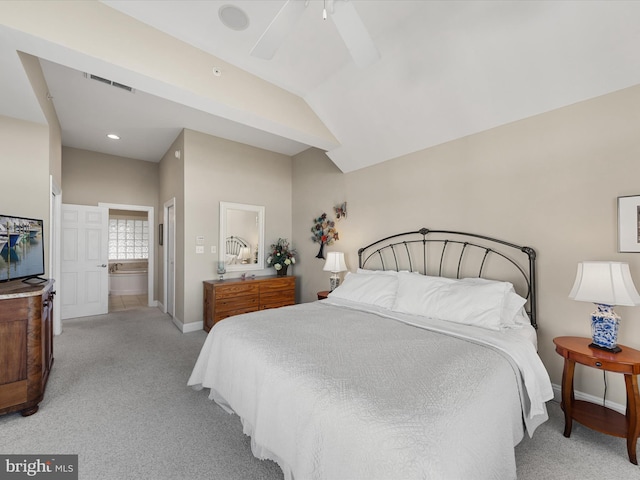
(117, 397)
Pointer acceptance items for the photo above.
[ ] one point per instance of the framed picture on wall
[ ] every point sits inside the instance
(629, 223)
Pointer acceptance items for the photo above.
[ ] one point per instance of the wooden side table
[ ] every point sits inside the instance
(323, 294)
(600, 418)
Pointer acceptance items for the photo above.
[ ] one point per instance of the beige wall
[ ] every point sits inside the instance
(172, 188)
(92, 177)
(318, 185)
(31, 154)
(40, 89)
(549, 182)
(25, 170)
(89, 178)
(218, 170)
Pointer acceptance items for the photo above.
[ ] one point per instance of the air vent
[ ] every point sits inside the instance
(109, 82)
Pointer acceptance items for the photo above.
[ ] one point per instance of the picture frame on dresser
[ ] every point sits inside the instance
(629, 224)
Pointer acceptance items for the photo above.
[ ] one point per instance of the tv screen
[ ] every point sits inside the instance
(21, 248)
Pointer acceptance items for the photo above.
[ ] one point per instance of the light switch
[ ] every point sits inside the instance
(214, 249)
(199, 249)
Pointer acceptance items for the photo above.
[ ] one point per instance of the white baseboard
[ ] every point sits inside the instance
(183, 327)
(557, 396)
(187, 327)
(192, 327)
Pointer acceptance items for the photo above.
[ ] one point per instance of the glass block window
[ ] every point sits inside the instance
(128, 239)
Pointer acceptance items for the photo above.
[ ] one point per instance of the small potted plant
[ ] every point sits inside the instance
(281, 255)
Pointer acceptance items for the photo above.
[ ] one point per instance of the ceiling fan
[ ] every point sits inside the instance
(345, 17)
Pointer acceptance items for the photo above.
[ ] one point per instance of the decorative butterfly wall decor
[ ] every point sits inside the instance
(341, 210)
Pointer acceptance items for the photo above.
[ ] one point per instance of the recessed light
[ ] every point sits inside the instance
(113, 136)
(233, 17)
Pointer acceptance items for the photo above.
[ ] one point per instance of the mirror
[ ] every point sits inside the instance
(241, 236)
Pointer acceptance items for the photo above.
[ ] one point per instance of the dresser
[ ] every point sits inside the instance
(224, 298)
(26, 345)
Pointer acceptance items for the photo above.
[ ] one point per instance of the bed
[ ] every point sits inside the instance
(421, 364)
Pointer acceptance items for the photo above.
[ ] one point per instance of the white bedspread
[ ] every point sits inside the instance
(331, 392)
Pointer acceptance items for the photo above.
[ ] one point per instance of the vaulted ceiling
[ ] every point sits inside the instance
(446, 69)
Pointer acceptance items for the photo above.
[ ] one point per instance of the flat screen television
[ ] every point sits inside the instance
(21, 248)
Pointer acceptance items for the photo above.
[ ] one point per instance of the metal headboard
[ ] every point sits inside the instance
(234, 244)
(459, 255)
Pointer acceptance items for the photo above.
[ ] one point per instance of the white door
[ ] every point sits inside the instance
(84, 276)
(171, 221)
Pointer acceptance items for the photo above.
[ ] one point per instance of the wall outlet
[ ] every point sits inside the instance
(199, 249)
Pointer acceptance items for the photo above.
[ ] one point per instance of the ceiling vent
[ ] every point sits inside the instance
(109, 82)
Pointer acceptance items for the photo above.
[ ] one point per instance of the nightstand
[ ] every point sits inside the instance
(600, 418)
(323, 294)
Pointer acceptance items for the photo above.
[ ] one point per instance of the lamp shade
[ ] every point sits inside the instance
(244, 253)
(335, 262)
(606, 283)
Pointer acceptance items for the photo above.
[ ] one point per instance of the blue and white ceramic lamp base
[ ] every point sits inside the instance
(604, 328)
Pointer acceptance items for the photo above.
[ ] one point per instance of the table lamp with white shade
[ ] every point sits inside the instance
(335, 264)
(606, 284)
(244, 255)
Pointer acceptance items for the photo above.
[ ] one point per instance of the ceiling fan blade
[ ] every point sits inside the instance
(354, 34)
(278, 29)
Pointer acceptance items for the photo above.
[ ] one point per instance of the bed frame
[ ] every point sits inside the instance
(457, 255)
(235, 244)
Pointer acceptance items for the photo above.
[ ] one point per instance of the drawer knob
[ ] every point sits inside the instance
(598, 364)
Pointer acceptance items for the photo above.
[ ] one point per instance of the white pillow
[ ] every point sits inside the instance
(372, 289)
(468, 302)
(415, 292)
(512, 310)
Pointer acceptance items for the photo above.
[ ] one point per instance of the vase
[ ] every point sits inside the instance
(321, 251)
(283, 271)
(604, 327)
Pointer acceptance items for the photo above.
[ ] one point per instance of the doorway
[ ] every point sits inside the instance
(125, 299)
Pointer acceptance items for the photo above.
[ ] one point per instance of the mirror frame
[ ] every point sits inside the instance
(224, 207)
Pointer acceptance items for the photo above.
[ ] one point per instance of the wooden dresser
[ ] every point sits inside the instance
(26, 345)
(224, 298)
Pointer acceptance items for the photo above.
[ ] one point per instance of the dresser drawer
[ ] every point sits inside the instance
(234, 290)
(277, 299)
(230, 313)
(603, 363)
(246, 303)
(278, 284)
